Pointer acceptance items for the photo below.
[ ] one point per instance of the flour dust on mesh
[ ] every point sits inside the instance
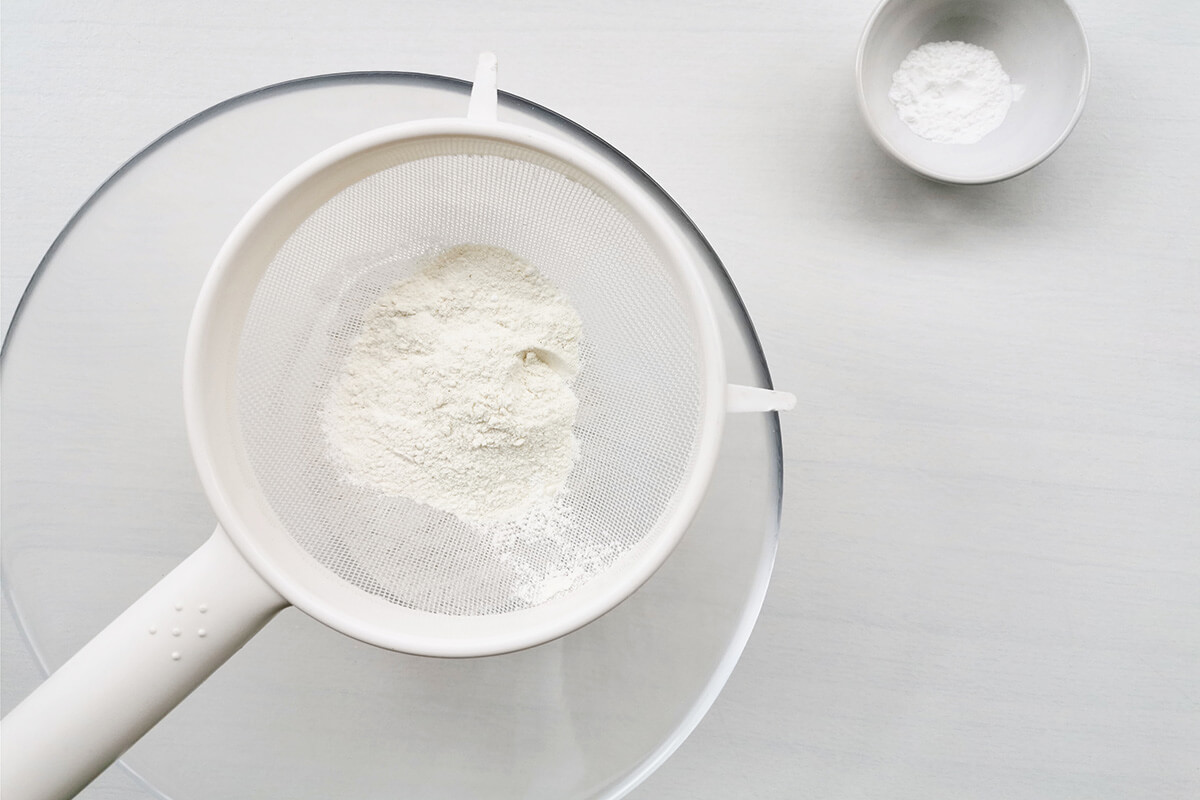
(457, 393)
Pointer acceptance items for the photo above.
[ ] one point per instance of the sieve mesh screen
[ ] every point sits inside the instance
(639, 387)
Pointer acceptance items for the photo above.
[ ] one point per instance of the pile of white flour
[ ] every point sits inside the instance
(457, 391)
(952, 92)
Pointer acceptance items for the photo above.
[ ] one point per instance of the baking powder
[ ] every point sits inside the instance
(952, 92)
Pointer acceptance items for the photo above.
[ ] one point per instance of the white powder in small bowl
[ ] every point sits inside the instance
(952, 92)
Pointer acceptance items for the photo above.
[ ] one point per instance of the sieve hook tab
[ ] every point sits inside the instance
(748, 399)
(482, 106)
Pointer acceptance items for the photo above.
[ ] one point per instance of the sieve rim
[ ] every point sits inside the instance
(213, 428)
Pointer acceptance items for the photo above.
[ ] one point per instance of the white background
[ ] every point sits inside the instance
(989, 575)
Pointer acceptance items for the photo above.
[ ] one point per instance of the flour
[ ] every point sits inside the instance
(548, 552)
(457, 391)
(952, 92)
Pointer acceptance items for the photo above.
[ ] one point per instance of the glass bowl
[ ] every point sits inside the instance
(99, 500)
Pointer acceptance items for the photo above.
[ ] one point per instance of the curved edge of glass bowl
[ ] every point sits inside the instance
(767, 560)
(766, 564)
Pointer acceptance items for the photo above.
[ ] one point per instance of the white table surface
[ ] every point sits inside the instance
(989, 577)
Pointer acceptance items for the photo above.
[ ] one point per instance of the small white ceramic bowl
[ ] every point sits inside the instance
(1040, 45)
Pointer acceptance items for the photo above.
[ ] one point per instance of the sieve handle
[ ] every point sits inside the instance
(89, 712)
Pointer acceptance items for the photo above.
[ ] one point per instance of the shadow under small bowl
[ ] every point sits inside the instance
(1040, 45)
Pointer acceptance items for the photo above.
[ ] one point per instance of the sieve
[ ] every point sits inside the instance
(281, 299)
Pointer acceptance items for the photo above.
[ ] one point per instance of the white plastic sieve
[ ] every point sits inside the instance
(274, 320)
